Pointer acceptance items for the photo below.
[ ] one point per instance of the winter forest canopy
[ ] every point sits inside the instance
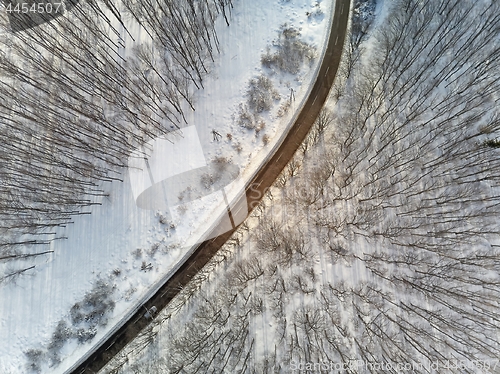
(75, 103)
(379, 244)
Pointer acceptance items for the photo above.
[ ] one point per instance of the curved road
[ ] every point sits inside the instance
(254, 191)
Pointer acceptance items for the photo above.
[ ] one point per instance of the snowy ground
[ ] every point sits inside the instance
(118, 239)
(378, 248)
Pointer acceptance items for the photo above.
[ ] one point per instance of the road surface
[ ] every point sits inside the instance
(254, 191)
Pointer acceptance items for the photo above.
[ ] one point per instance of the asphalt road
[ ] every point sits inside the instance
(254, 192)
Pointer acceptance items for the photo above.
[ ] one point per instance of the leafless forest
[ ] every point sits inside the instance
(379, 244)
(75, 102)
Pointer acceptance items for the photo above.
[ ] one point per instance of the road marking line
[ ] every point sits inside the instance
(336, 40)
(342, 9)
(228, 208)
(237, 211)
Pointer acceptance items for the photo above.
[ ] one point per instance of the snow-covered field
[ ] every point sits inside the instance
(117, 253)
(378, 248)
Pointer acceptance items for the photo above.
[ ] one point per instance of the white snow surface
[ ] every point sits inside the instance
(120, 236)
(220, 295)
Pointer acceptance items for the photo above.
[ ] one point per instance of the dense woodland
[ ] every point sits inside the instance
(76, 102)
(379, 244)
